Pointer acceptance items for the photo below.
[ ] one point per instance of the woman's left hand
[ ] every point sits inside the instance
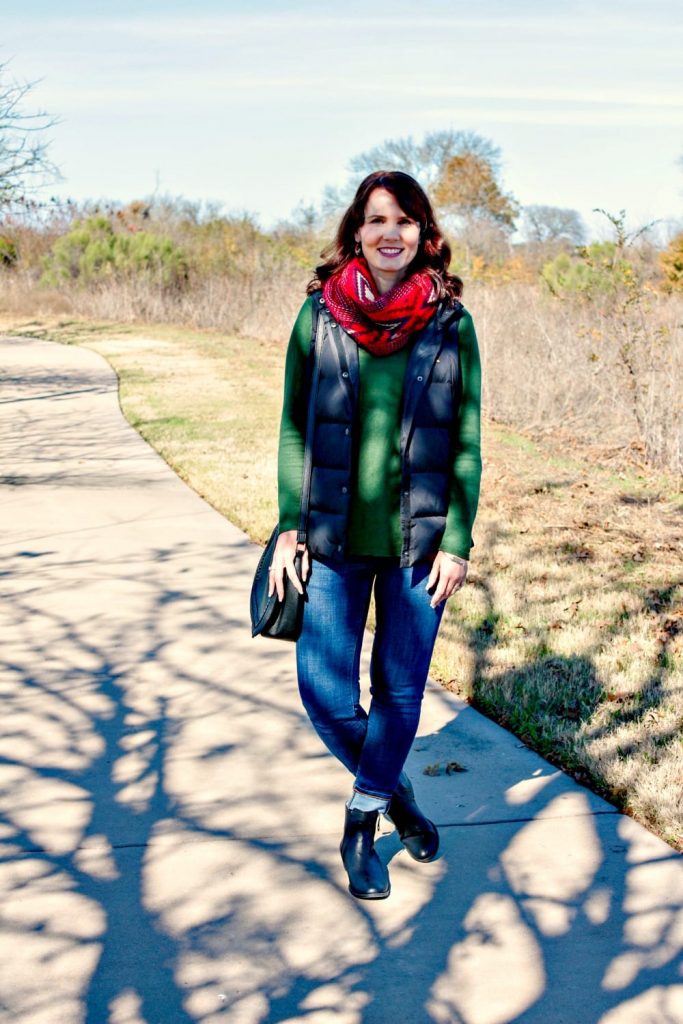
(447, 576)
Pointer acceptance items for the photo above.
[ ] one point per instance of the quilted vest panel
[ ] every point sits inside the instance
(429, 413)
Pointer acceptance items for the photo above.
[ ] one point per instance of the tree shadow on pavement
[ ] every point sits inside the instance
(160, 865)
(169, 823)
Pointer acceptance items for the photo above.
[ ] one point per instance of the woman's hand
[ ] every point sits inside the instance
(447, 575)
(283, 562)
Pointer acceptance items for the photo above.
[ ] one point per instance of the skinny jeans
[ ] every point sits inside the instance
(373, 745)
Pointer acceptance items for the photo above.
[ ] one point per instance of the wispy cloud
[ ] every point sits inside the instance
(251, 78)
(143, 90)
(609, 18)
(577, 118)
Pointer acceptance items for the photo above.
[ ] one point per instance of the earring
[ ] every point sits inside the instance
(358, 249)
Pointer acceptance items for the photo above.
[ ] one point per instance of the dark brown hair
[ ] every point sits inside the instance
(433, 254)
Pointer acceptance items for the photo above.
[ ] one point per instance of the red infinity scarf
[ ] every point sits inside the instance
(381, 324)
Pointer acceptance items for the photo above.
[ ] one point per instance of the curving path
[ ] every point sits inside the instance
(169, 822)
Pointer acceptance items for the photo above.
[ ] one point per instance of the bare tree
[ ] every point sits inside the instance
(545, 224)
(24, 164)
(426, 161)
(624, 239)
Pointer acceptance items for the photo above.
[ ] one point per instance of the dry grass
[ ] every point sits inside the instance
(570, 631)
(260, 303)
(605, 377)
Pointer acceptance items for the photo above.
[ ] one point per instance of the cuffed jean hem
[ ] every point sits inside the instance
(366, 802)
(367, 792)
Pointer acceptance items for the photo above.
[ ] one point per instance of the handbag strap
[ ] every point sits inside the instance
(310, 427)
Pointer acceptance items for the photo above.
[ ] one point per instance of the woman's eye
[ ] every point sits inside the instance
(402, 220)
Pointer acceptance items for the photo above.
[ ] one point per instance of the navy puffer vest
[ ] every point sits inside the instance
(428, 421)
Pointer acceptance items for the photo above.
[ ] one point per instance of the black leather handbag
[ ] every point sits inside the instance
(279, 620)
(270, 617)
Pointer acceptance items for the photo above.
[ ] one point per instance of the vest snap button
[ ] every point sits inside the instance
(332, 323)
(347, 431)
(419, 378)
(345, 490)
(345, 374)
(339, 547)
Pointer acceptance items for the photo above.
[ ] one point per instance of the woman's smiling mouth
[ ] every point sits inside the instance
(390, 252)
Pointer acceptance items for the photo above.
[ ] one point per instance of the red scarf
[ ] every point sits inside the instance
(381, 324)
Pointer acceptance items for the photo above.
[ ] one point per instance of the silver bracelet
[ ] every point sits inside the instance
(455, 558)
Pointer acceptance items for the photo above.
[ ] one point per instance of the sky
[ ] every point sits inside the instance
(260, 105)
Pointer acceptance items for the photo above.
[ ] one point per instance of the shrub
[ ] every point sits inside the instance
(8, 252)
(92, 251)
(593, 270)
(671, 262)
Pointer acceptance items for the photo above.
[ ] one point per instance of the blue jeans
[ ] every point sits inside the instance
(374, 744)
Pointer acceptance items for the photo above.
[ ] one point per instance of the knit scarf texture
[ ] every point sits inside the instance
(382, 324)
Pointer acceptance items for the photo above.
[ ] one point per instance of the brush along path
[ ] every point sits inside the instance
(570, 631)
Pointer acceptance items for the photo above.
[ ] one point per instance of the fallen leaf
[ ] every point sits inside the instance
(450, 768)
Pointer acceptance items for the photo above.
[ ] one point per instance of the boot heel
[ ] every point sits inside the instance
(418, 834)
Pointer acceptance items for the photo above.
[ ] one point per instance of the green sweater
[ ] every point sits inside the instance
(374, 518)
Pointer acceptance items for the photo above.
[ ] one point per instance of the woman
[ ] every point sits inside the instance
(395, 486)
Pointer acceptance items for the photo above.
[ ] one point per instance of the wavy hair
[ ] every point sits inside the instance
(433, 254)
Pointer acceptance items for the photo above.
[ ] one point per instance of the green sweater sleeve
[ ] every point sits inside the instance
(466, 476)
(293, 421)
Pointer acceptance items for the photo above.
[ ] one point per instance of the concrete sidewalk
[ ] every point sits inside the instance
(169, 822)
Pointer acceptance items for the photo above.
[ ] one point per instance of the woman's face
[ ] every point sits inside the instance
(389, 238)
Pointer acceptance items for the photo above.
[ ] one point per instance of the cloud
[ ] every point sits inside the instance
(639, 19)
(141, 90)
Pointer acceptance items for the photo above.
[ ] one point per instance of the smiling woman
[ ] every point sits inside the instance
(394, 490)
(388, 239)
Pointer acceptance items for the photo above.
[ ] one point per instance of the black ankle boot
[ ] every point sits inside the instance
(368, 877)
(418, 834)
